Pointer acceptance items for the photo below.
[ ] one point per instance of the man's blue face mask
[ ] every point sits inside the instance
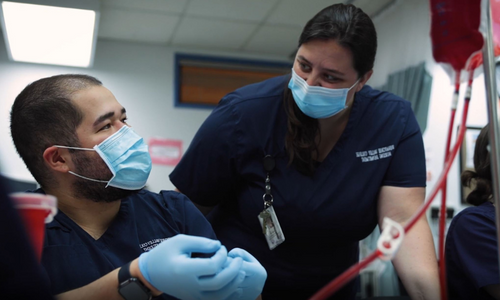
(315, 101)
(127, 157)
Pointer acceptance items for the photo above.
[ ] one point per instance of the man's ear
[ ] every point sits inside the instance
(56, 158)
(363, 80)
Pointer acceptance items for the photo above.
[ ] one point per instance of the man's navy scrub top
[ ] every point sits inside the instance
(72, 258)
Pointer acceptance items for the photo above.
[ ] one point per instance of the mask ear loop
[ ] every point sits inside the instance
(77, 175)
(75, 148)
(357, 81)
(91, 179)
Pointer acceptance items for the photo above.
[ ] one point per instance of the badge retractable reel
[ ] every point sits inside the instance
(268, 220)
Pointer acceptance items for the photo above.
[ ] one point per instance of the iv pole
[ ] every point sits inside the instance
(492, 105)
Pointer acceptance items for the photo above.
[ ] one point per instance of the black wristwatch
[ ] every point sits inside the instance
(131, 288)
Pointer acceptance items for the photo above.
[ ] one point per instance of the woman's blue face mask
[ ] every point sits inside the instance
(315, 101)
(127, 157)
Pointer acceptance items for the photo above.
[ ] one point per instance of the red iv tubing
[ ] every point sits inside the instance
(353, 271)
(442, 217)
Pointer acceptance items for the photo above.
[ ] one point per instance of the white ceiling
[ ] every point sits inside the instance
(254, 26)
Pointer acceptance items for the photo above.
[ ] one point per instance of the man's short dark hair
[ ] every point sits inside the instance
(43, 115)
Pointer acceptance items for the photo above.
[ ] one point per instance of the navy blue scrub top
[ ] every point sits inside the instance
(472, 253)
(323, 217)
(72, 258)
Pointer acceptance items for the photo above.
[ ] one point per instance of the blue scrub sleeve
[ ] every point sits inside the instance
(189, 218)
(207, 171)
(475, 243)
(407, 168)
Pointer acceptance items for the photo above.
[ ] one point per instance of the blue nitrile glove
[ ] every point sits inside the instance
(255, 277)
(170, 269)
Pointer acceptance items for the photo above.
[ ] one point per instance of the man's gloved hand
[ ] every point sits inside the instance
(170, 268)
(255, 275)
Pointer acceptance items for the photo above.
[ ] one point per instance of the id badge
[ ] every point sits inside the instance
(271, 227)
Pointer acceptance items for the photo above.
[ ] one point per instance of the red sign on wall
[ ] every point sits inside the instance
(165, 151)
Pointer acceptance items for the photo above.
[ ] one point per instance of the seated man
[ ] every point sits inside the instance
(73, 136)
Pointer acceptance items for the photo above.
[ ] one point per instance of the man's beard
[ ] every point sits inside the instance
(95, 168)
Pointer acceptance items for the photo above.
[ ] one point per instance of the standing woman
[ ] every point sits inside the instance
(325, 154)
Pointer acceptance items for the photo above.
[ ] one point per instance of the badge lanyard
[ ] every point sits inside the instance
(268, 220)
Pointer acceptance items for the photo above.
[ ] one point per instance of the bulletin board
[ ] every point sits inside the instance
(201, 81)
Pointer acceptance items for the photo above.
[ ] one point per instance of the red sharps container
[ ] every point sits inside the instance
(35, 210)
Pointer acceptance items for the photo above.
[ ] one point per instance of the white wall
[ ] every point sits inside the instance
(141, 77)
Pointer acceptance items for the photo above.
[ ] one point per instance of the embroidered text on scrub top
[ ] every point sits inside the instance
(151, 244)
(375, 154)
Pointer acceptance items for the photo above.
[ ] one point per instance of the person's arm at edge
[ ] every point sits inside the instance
(493, 290)
(415, 262)
(106, 287)
(204, 209)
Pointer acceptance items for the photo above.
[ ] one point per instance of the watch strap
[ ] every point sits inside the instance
(131, 287)
(124, 272)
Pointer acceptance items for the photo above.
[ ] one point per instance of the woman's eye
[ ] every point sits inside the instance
(124, 120)
(304, 67)
(330, 77)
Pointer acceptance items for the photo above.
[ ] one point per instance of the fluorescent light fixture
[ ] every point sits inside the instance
(49, 34)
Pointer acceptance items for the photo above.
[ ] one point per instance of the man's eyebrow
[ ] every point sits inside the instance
(107, 116)
(328, 70)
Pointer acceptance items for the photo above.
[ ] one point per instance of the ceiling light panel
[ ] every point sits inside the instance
(49, 34)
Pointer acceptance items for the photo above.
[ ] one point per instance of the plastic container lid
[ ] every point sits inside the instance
(36, 201)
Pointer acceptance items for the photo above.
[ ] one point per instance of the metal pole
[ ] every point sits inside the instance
(492, 101)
